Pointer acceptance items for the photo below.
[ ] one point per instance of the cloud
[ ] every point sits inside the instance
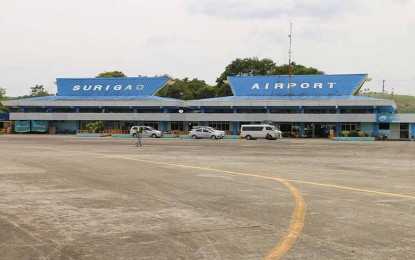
(271, 9)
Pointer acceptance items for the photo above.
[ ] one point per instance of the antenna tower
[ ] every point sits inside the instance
(289, 60)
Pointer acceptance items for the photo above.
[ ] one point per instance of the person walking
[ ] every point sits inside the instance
(139, 131)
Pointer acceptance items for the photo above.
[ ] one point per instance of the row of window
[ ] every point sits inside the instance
(229, 111)
(288, 128)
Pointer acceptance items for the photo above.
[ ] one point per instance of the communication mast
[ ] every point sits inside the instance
(289, 60)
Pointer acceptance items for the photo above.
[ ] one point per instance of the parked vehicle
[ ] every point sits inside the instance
(278, 133)
(250, 132)
(148, 132)
(204, 133)
(223, 133)
(308, 133)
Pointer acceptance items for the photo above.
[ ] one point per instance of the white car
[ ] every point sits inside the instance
(204, 133)
(222, 133)
(278, 133)
(148, 132)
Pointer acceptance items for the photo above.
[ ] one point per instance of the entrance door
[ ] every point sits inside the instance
(404, 131)
(395, 131)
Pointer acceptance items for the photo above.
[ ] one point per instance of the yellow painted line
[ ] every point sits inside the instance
(297, 217)
(353, 189)
(296, 225)
(390, 194)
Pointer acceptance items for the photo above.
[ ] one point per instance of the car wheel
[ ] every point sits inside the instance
(248, 137)
(194, 137)
(135, 135)
(154, 135)
(213, 137)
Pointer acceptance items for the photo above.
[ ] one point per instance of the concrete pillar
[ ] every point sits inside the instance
(235, 127)
(375, 128)
(338, 129)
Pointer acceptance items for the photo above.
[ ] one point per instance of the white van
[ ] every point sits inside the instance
(250, 132)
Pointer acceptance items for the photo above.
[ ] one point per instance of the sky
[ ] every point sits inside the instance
(49, 39)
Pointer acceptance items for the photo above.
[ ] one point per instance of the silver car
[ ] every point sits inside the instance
(148, 132)
(222, 133)
(204, 133)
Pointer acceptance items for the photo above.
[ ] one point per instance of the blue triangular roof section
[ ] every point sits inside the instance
(297, 85)
(125, 86)
(98, 98)
(293, 98)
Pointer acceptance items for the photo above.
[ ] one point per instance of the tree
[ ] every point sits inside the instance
(296, 69)
(93, 127)
(257, 67)
(111, 74)
(2, 93)
(200, 89)
(243, 67)
(186, 89)
(38, 91)
(179, 90)
(3, 109)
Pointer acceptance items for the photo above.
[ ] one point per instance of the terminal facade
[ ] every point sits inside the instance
(300, 105)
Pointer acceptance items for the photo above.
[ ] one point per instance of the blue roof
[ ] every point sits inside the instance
(126, 86)
(297, 85)
(99, 98)
(291, 98)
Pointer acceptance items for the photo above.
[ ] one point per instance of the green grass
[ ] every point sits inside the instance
(405, 103)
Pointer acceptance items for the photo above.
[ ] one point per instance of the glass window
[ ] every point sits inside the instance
(356, 111)
(176, 126)
(404, 126)
(223, 110)
(351, 126)
(153, 124)
(284, 111)
(252, 110)
(384, 126)
(224, 126)
(320, 111)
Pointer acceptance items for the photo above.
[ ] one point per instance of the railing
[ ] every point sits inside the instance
(114, 131)
(178, 132)
(105, 132)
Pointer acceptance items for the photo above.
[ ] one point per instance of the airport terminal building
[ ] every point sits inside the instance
(301, 105)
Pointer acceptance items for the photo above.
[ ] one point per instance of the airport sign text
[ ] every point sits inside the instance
(107, 87)
(304, 85)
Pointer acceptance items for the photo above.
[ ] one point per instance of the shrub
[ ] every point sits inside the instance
(361, 134)
(345, 133)
(353, 134)
(93, 127)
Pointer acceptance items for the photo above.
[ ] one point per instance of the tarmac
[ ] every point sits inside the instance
(63, 197)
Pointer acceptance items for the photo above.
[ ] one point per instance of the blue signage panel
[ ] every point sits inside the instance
(385, 118)
(142, 86)
(296, 85)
